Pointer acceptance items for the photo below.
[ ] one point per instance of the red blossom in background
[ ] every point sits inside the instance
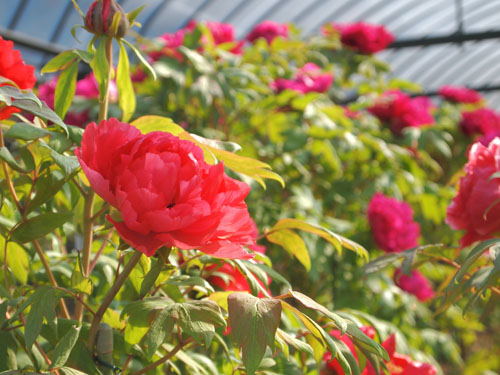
(166, 193)
(13, 68)
(85, 88)
(482, 121)
(268, 30)
(460, 94)
(309, 78)
(476, 207)
(363, 37)
(400, 110)
(332, 365)
(415, 284)
(392, 224)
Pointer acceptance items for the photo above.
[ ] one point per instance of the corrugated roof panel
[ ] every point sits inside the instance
(481, 15)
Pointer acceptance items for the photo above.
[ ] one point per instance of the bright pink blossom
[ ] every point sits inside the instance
(460, 94)
(309, 78)
(166, 193)
(224, 33)
(415, 284)
(476, 207)
(400, 110)
(13, 68)
(268, 30)
(480, 121)
(392, 224)
(363, 37)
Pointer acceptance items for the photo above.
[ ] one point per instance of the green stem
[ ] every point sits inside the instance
(109, 298)
(88, 217)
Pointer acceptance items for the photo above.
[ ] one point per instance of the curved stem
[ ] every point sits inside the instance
(109, 298)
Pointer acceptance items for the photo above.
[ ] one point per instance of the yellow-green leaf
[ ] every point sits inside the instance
(78, 281)
(65, 89)
(126, 96)
(292, 243)
(17, 260)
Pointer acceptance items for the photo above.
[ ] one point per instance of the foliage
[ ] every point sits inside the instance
(75, 298)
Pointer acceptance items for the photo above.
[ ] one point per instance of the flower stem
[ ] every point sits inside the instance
(109, 298)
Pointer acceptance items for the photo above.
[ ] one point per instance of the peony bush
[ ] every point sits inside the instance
(273, 205)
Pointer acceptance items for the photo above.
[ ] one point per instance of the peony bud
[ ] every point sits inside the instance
(100, 17)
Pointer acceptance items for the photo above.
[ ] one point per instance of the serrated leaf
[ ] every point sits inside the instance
(253, 324)
(39, 226)
(27, 132)
(65, 89)
(7, 157)
(126, 95)
(293, 244)
(59, 62)
(335, 239)
(64, 347)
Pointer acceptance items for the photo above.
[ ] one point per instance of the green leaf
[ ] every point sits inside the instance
(335, 239)
(312, 304)
(100, 66)
(132, 15)
(6, 156)
(149, 280)
(8, 359)
(79, 282)
(43, 307)
(27, 132)
(65, 89)
(148, 124)
(199, 62)
(69, 164)
(80, 12)
(39, 226)
(46, 187)
(293, 244)
(126, 95)
(45, 112)
(141, 58)
(64, 347)
(71, 371)
(59, 62)
(17, 259)
(7, 92)
(295, 342)
(253, 324)
(158, 332)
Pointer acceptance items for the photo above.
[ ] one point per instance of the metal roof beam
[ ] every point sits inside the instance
(30, 42)
(451, 38)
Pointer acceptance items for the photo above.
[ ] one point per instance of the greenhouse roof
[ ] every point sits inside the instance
(437, 42)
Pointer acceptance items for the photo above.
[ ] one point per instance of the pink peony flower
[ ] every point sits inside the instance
(224, 33)
(363, 37)
(309, 78)
(415, 284)
(482, 121)
(13, 68)
(460, 94)
(166, 193)
(392, 224)
(268, 30)
(400, 110)
(476, 207)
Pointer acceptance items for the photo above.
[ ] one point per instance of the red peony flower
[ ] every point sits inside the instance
(415, 284)
(13, 68)
(363, 37)
(268, 30)
(165, 191)
(309, 78)
(460, 94)
(475, 208)
(392, 224)
(401, 111)
(482, 121)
